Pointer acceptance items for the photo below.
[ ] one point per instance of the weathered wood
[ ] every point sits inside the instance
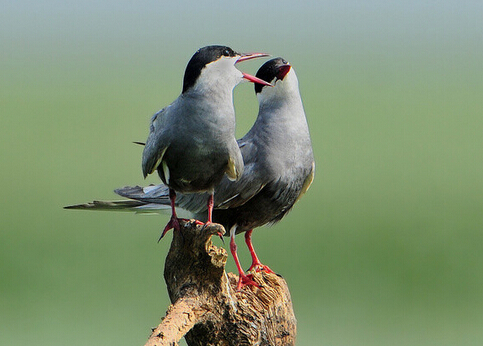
(206, 308)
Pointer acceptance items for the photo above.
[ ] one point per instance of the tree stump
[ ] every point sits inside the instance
(206, 308)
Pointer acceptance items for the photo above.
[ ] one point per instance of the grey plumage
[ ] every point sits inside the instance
(129, 205)
(278, 167)
(191, 152)
(191, 142)
(278, 157)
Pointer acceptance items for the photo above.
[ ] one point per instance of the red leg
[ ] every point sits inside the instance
(256, 264)
(173, 222)
(210, 205)
(210, 208)
(243, 278)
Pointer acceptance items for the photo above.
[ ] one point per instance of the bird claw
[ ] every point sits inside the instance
(221, 237)
(172, 224)
(258, 267)
(246, 280)
(206, 224)
(196, 222)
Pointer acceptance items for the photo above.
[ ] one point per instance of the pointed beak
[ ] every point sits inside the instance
(249, 56)
(249, 77)
(254, 79)
(282, 71)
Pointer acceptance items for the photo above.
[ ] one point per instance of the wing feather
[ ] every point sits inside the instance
(157, 142)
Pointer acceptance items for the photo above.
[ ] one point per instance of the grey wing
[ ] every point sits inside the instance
(236, 164)
(228, 193)
(159, 194)
(124, 205)
(307, 181)
(157, 142)
(150, 194)
(231, 194)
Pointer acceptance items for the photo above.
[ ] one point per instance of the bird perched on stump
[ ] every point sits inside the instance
(191, 142)
(279, 166)
(278, 169)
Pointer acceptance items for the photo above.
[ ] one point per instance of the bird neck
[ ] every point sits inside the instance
(218, 104)
(281, 120)
(209, 92)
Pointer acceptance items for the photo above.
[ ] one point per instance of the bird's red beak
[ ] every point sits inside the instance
(254, 79)
(249, 77)
(249, 56)
(282, 71)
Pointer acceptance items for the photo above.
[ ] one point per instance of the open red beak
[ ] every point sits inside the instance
(283, 70)
(254, 79)
(249, 77)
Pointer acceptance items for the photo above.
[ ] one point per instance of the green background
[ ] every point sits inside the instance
(386, 247)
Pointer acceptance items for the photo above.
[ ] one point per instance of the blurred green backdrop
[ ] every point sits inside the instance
(385, 249)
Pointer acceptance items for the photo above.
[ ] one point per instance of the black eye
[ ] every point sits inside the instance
(226, 52)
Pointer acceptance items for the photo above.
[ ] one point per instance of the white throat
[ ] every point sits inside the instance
(218, 77)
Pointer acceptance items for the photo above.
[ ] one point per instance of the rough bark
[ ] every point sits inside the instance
(206, 308)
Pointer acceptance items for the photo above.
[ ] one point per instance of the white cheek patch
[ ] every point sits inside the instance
(220, 71)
